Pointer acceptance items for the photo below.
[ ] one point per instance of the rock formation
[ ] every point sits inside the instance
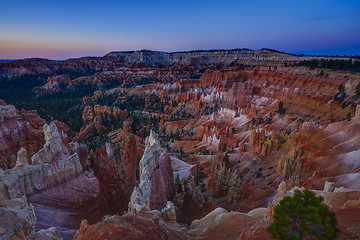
(194, 202)
(17, 218)
(156, 185)
(17, 131)
(224, 181)
(51, 166)
(129, 226)
(22, 157)
(46, 234)
(54, 149)
(116, 175)
(261, 144)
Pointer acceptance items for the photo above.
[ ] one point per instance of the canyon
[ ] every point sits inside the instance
(182, 145)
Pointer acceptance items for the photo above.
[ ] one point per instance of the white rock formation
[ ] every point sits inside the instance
(22, 157)
(140, 197)
(329, 186)
(52, 148)
(7, 111)
(168, 213)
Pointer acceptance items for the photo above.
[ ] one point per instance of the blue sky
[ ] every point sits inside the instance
(63, 29)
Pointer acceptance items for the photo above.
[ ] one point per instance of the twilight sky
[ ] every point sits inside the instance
(73, 28)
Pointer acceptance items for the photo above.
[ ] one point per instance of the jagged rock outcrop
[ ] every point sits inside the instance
(329, 186)
(224, 181)
(261, 144)
(45, 234)
(22, 157)
(54, 149)
(357, 112)
(99, 114)
(128, 227)
(194, 201)
(52, 165)
(291, 166)
(156, 185)
(116, 174)
(17, 219)
(17, 131)
(168, 213)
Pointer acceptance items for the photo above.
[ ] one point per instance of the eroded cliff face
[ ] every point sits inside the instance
(17, 218)
(18, 130)
(51, 165)
(117, 177)
(224, 181)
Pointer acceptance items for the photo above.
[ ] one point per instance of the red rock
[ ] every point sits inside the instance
(18, 131)
(116, 178)
(162, 184)
(128, 227)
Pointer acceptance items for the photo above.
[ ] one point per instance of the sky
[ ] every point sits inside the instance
(74, 28)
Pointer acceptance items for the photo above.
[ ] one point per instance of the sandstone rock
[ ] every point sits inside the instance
(23, 180)
(17, 131)
(329, 187)
(22, 157)
(181, 168)
(282, 188)
(168, 213)
(54, 148)
(162, 183)
(117, 177)
(7, 112)
(351, 204)
(45, 234)
(17, 219)
(357, 112)
(261, 144)
(269, 212)
(156, 179)
(129, 227)
(200, 225)
(257, 213)
(80, 194)
(194, 201)
(291, 167)
(224, 181)
(26, 179)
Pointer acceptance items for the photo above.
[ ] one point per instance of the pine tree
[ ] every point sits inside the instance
(178, 184)
(281, 108)
(341, 88)
(303, 217)
(226, 160)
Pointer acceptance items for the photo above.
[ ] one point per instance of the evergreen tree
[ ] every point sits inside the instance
(341, 88)
(178, 184)
(226, 160)
(224, 148)
(357, 90)
(348, 116)
(281, 108)
(303, 217)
